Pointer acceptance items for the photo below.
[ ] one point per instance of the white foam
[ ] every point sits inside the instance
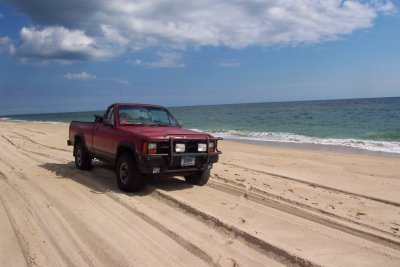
(47, 122)
(378, 146)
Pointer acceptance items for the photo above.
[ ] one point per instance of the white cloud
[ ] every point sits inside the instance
(87, 76)
(60, 43)
(103, 29)
(120, 81)
(79, 76)
(6, 45)
(165, 60)
(228, 63)
(386, 7)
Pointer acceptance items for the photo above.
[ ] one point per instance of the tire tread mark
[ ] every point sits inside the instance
(253, 242)
(41, 224)
(263, 193)
(20, 239)
(393, 203)
(171, 234)
(306, 215)
(38, 143)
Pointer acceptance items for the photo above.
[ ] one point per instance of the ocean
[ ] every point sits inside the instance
(369, 124)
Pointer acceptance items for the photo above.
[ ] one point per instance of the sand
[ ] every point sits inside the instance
(263, 206)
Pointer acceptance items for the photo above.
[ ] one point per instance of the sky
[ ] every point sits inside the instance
(60, 56)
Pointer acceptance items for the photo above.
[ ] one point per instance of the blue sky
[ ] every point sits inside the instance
(75, 55)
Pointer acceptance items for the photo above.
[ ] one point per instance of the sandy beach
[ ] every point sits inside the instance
(263, 206)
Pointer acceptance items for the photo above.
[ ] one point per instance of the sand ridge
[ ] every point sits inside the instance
(263, 206)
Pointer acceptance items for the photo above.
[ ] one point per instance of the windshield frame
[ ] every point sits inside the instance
(173, 121)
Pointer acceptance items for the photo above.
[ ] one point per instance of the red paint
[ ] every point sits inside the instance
(100, 138)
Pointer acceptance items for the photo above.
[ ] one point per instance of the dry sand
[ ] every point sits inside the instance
(263, 206)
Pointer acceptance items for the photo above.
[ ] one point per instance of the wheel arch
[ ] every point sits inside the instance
(126, 147)
(79, 138)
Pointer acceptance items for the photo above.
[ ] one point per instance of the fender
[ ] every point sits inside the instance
(82, 137)
(125, 146)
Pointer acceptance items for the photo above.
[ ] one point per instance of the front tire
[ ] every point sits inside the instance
(83, 161)
(199, 178)
(129, 178)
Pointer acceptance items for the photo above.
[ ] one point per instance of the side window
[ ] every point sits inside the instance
(110, 114)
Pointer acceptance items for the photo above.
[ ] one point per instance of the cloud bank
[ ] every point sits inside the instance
(102, 29)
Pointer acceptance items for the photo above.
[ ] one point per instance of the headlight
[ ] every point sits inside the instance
(151, 146)
(202, 147)
(180, 148)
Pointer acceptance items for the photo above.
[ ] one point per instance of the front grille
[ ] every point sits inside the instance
(163, 148)
(191, 146)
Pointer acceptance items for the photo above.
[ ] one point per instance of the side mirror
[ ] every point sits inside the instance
(180, 124)
(107, 122)
(98, 118)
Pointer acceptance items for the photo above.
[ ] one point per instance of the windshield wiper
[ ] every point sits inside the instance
(130, 124)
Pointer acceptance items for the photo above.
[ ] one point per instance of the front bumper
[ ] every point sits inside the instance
(168, 162)
(172, 165)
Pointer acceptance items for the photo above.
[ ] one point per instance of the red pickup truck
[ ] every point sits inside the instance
(143, 140)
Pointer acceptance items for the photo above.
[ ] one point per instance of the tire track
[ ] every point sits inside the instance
(38, 143)
(264, 194)
(289, 208)
(9, 141)
(186, 244)
(20, 239)
(31, 151)
(42, 225)
(275, 175)
(278, 254)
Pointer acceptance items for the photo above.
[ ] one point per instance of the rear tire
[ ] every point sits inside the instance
(199, 178)
(83, 161)
(129, 178)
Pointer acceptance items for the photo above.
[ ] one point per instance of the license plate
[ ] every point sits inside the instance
(187, 161)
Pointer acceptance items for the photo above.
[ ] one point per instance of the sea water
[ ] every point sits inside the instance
(370, 124)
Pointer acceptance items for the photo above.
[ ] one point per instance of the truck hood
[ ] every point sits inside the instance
(165, 132)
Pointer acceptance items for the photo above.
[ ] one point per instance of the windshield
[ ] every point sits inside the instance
(136, 115)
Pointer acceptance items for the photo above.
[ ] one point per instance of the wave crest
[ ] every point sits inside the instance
(378, 146)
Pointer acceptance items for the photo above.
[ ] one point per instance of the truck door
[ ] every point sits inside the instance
(103, 141)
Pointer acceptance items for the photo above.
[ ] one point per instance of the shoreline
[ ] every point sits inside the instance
(268, 143)
(316, 147)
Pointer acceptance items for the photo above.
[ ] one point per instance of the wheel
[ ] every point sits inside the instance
(129, 178)
(83, 161)
(199, 178)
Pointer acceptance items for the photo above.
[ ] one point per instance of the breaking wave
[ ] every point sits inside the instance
(372, 145)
